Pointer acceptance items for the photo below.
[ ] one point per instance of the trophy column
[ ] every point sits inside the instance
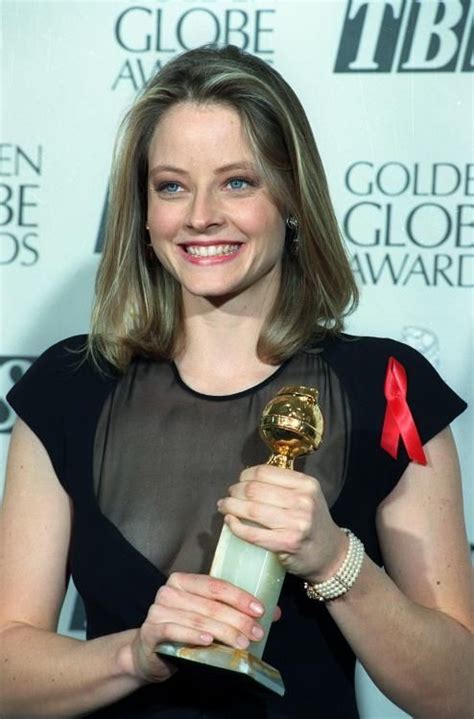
(291, 425)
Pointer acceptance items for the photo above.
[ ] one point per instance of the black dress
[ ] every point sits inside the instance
(144, 459)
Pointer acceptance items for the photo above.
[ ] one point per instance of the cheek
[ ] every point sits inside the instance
(163, 229)
(163, 222)
(264, 221)
(274, 227)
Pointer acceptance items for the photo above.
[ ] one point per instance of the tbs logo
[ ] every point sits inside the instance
(11, 370)
(407, 36)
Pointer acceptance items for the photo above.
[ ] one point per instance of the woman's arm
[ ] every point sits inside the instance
(44, 674)
(411, 630)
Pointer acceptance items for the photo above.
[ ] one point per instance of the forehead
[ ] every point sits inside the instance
(194, 130)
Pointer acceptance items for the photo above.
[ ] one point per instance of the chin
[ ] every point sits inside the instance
(219, 292)
(214, 295)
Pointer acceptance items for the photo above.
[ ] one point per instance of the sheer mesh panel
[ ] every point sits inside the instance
(165, 454)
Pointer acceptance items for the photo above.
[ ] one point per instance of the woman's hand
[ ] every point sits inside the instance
(194, 609)
(293, 518)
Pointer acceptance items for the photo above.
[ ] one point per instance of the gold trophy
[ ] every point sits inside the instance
(291, 425)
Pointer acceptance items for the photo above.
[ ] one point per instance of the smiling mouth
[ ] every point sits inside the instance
(211, 250)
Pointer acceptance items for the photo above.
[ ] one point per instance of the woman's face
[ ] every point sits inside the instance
(212, 221)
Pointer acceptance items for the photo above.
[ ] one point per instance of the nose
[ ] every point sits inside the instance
(204, 212)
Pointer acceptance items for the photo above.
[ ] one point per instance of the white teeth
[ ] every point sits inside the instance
(211, 250)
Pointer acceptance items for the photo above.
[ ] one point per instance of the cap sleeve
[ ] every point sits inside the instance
(38, 398)
(433, 404)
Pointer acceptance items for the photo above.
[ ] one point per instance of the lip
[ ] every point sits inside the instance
(212, 260)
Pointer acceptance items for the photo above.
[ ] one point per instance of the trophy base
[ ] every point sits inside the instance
(234, 660)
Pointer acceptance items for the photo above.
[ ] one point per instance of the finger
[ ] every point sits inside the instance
(263, 492)
(219, 590)
(276, 614)
(171, 632)
(176, 599)
(266, 515)
(278, 476)
(278, 541)
(204, 625)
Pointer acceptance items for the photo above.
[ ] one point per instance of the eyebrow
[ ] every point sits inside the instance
(219, 170)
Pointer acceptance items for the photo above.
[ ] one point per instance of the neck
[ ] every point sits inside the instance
(219, 354)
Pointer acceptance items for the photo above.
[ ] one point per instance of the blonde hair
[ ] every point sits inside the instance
(138, 303)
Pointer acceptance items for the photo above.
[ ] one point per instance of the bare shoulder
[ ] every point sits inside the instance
(422, 533)
(35, 526)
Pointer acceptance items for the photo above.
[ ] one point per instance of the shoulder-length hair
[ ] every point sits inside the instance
(138, 307)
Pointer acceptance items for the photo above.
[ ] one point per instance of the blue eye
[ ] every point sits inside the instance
(169, 187)
(238, 183)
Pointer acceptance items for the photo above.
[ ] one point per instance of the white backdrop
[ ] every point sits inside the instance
(388, 89)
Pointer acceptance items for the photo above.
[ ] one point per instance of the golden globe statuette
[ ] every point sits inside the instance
(291, 425)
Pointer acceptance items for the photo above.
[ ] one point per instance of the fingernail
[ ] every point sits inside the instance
(257, 608)
(208, 638)
(242, 642)
(219, 503)
(257, 631)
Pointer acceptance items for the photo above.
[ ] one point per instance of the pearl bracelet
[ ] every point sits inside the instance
(344, 578)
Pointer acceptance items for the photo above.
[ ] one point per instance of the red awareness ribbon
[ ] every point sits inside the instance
(398, 420)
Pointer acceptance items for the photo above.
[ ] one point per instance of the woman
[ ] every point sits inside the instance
(223, 279)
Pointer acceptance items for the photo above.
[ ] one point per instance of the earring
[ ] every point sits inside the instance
(147, 226)
(292, 225)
